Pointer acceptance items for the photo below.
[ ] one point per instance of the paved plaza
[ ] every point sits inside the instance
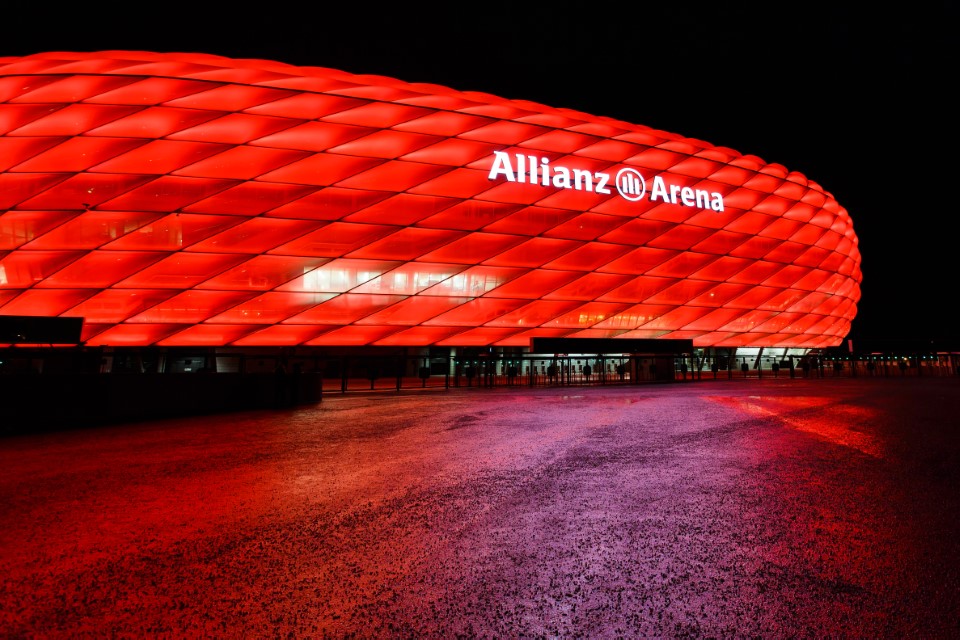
(806, 508)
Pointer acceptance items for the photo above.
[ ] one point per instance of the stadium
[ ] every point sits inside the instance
(181, 212)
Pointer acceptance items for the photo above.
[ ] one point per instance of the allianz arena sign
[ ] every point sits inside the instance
(187, 199)
(629, 183)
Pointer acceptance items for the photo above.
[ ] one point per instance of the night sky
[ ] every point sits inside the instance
(860, 101)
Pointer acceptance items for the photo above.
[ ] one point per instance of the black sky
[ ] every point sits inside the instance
(860, 101)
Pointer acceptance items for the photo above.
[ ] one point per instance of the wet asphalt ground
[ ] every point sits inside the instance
(806, 508)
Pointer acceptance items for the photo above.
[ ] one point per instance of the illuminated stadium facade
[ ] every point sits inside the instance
(195, 201)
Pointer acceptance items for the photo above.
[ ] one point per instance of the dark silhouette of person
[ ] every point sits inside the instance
(295, 383)
(745, 368)
(280, 384)
(587, 371)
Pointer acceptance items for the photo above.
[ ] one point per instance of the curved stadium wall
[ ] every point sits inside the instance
(195, 200)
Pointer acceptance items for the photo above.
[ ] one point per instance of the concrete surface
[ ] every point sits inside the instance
(713, 509)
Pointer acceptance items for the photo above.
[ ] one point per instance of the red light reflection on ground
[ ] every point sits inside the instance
(714, 509)
(834, 421)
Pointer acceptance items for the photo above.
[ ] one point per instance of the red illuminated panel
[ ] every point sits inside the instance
(585, 315)
(191, 306)
(262, 273)
(271, 308)
(91, 230)
(413, 311)
(419, 336)
(181, 270)
(346, 308)
(533, 314)
(636, 316)
(285, 335)
(190, 199)
(20, 227)
(132, 335)
(401, 209)
(116, 305)
(205, 335)
(353, 336)
(44, 302)
(22, 269)
(75, 154)
(410, 279)
(477, 337)
(173, 232)
(256, 235)
(100, 269)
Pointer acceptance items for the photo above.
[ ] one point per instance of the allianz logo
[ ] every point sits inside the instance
(630, 184)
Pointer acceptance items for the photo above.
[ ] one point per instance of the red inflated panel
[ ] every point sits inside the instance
(338, 276)
(533, 252)
(91, 230)
(283, 334)
(419, 336)
(152, 123)
(333, 240)
(400, 209)
(634, 317)
(345, 309)
(132, 335)
(44, 302)
(75, 154)
(589, 286)
(533, 314)
(99, 269)
(117, 305)
(534, 284)
(204, 335)
(22, 269)
(478, 337)
(262, 273)
(590, 257)
(474, 248)
(72, 120)
(188, 199)
(413, 311)
(469, 215)
(181, 270)
(172, 232)
(191, 306)
(353, 336)
(256, 235)
(410, 278)
(476, 311)
(160, 156)
(271, 307)
(474, 282)
(585, 315)
(328, 204)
